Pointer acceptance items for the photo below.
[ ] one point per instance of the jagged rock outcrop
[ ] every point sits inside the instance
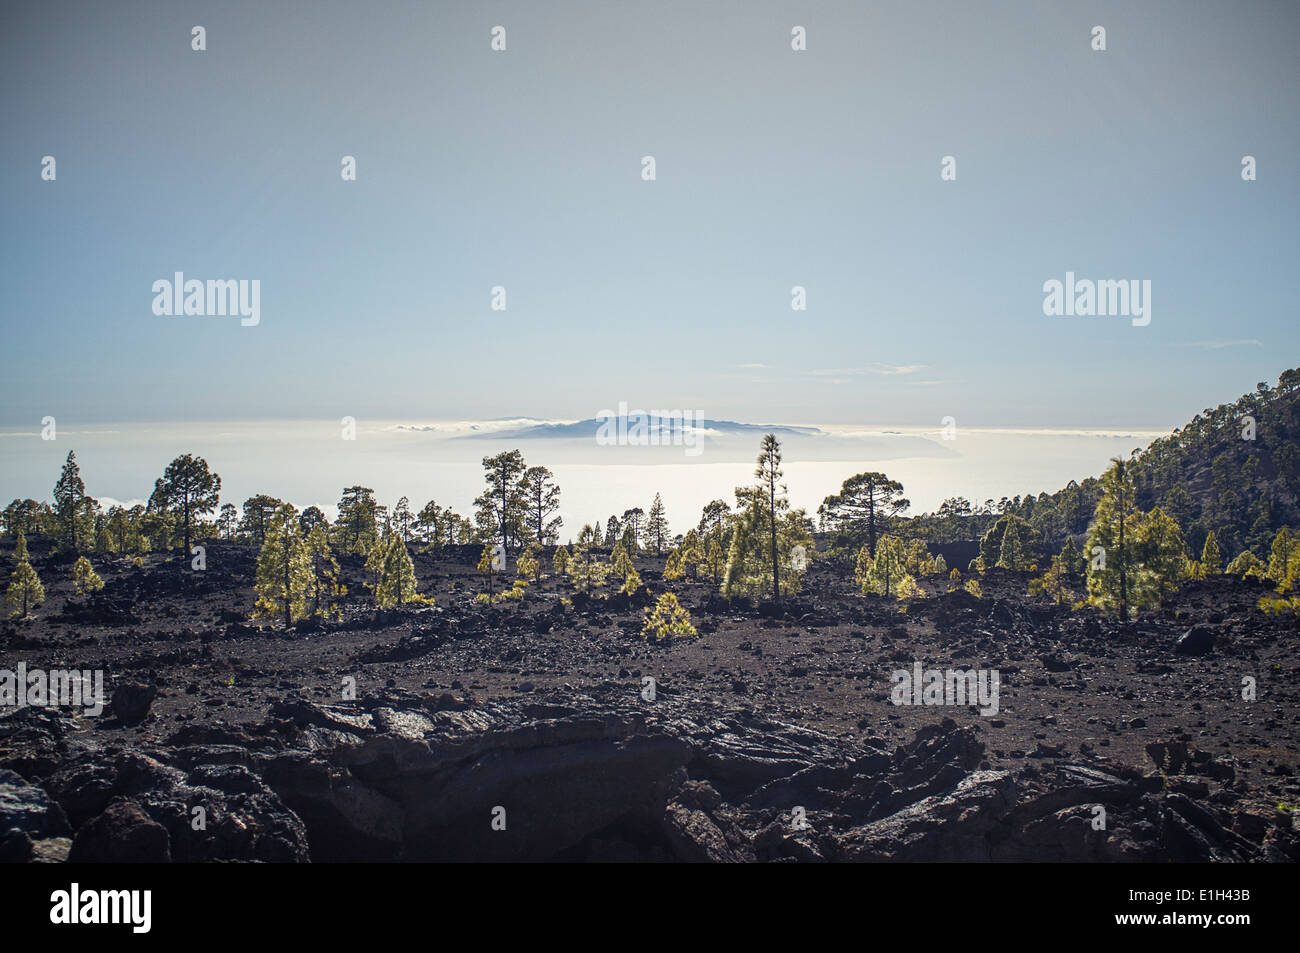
(400, 776)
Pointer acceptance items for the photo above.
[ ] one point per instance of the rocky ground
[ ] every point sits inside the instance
(770, 737)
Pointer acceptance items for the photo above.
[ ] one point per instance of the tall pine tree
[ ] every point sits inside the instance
(187, 491)
(72, 507)
(1109, 549)
(283, 569)
(656, 526)
(25, 589)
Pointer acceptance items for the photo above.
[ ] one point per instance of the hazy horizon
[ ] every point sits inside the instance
(308, 464)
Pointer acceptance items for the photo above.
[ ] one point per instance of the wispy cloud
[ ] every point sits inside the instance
(845, 375)
(840, 375)
(1220, 345)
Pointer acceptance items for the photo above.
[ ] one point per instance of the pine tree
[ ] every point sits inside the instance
(620, 560)
(529, 566)
(1075, 564)
(862, 568)
(586, 571)
(1053, 582)
(991, 544)
(395, 584)
(103, 538)
(501, 508)
(542, 498)
(84, 577)
(656, 527)
(668, 619)
(283, 569)
(865, 506)
(1246, 563)
(1110, 570)
(71, 505)
(403, 519)
(560, 563)
(323, 587)
(1010, 554)
(675, 566)
(631, 582)
(908, 589)
(1161, 553)
(431, 525)
(628, 539)
(227, 521)
(691, 552)
(118, 525)
(768, 473)
(355, 526)
(633, 528)
(715, 560)
(311, 518)
(485, 565)
(257, 512)
(187, 491)
(621, 566)
(883, 572)
(1284, 559)
(25, 589)
(158, 529)
(1211, 560)
(713, 520)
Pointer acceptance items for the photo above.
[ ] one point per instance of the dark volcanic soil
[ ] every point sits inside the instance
(1076, 689)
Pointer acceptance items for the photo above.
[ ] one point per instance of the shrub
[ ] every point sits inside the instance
(668, 619)
(85, 577)
(908, 589)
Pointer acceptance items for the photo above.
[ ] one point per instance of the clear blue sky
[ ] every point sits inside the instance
(522, 169)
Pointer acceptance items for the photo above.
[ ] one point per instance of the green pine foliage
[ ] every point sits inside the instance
(395, 583)
(323, 587)
(1246, 563)
(1011, 554)
(1284, 559)
(529, 564)
(1054, 582)
(667, 620)
(84, 577)
(1211, 560)
(748, 570)
(656, 527)
(283, 570)
(25, 589)
(1138, 559)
